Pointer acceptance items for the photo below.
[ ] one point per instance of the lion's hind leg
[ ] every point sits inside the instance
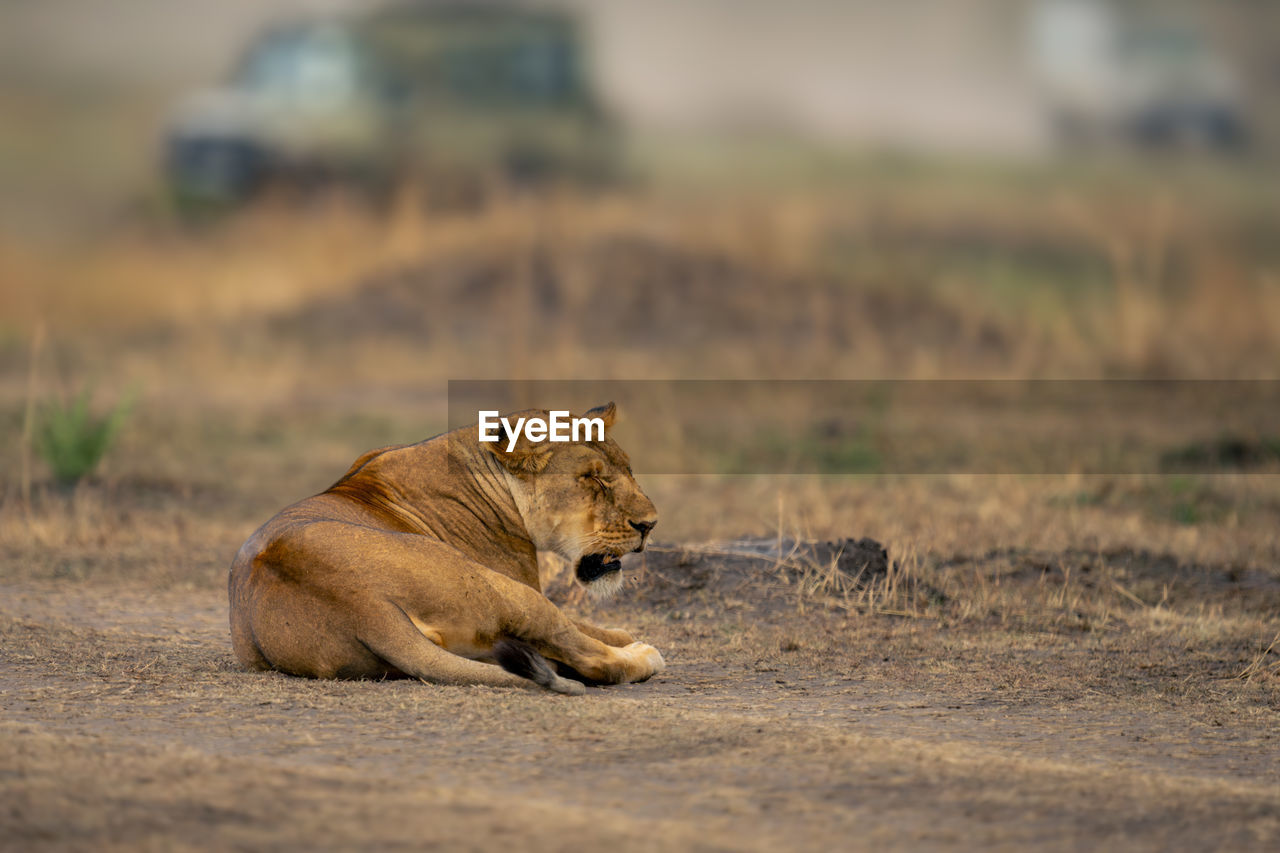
(394, 638)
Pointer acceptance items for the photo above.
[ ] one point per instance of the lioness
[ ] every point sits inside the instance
(421, 562)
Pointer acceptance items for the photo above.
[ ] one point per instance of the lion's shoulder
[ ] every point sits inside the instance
(365, 459)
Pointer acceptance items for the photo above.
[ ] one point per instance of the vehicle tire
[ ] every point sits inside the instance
(212, 173)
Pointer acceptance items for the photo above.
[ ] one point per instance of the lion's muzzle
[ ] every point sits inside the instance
(592, 567)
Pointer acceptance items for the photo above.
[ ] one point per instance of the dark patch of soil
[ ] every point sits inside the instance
(1228, 453)
(1161, 578)
(764, 576)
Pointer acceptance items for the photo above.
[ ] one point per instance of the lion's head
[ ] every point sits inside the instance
(580, 500)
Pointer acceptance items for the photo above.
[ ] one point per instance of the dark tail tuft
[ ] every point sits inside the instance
(522, 659)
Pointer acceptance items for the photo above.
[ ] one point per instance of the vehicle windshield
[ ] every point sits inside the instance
(312, 65)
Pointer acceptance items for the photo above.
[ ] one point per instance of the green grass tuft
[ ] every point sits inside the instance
(72, 440)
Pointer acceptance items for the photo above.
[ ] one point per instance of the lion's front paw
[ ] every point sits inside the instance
(649, 659)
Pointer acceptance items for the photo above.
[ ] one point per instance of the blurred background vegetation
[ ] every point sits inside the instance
(289, 223)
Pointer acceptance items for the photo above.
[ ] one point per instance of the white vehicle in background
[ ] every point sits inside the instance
(457, 93)
(1112, 71)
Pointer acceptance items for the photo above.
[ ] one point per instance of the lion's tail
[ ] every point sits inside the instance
(522, 659)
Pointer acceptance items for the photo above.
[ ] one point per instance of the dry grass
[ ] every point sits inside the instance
(1262, 666)
(908, 282)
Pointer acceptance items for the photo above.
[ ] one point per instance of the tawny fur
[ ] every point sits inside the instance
(423, 557)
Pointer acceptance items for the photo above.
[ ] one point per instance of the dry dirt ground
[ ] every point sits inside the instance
(787, 719)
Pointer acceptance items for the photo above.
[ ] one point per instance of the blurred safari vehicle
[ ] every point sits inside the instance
(453, 94)
(1122, 72)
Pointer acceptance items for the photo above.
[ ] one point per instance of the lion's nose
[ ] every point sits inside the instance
(643, 526)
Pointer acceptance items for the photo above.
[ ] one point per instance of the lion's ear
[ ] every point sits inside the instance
(607, 413)
(525, 459)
